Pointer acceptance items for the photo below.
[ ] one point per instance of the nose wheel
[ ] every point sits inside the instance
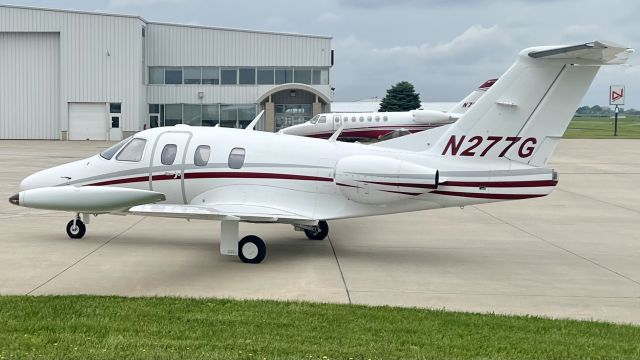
(76, 228)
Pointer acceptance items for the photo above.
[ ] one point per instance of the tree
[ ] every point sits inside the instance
(400, 97)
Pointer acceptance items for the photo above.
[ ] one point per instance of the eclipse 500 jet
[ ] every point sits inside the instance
(384, 125)
(496, 151)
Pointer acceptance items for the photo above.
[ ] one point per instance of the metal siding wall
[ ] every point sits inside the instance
(29, 104)
(173, 45)
(86, 73)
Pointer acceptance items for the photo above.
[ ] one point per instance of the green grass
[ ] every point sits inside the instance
(89, 327)
(602, 128)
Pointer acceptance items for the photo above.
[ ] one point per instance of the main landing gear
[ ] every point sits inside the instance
(76, 228)
(252, 249)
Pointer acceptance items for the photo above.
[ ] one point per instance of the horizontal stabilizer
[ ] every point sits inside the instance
(593, 53)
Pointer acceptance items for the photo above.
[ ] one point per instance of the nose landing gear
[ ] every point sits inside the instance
(76, 228)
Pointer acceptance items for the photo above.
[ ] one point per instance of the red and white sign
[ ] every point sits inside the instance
(616, 95)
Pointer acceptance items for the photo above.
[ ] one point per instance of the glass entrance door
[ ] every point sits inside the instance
(291, 114)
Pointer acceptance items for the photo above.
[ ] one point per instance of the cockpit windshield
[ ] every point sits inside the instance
(108, 153)
(314, 119)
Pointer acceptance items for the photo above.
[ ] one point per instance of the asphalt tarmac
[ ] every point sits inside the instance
(572, 254)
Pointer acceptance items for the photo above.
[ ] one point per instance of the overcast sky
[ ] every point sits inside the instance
(446, 48)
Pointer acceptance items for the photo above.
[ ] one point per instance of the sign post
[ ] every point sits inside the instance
(616, 97)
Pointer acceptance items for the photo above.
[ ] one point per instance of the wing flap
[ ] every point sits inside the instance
(237, 212)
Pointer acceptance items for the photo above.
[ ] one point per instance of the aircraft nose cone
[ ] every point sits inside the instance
(15, 199)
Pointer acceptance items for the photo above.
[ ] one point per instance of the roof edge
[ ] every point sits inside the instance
(162, 23)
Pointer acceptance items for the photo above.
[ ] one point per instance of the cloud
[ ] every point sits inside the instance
(328, 17)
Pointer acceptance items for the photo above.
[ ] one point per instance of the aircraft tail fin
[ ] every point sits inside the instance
(474, 96)
(524, 114)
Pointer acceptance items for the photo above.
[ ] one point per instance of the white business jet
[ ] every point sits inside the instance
(495, 152)
(377, 125)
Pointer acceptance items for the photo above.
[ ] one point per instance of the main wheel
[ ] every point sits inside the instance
(251, 249)
(319, 233)
(76, 231)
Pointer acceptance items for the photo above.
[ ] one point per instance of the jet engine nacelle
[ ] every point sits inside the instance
(431, 117)
(381, 180)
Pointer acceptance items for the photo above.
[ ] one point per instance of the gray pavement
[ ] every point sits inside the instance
(573, 254)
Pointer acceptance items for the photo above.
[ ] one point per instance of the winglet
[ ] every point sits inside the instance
(336, 134)
(254, 122)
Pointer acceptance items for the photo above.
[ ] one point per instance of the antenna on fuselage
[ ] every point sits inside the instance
(253, 123)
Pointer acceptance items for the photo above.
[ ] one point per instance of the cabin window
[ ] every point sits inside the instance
(322, 120)
(336, 119)
(353, 119)
(361, 118)
(345, 119)
(377, 118)
(236, 158)
(168, 155)
(108, 153)
(201, 157)
(384, 118)
(133, 151)
(368, 118)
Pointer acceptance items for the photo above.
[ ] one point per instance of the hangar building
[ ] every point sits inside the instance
(81, 75)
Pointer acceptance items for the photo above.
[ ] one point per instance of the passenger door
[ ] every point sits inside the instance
(167, 165)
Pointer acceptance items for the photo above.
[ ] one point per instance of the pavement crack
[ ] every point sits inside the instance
(344, 282)
(84, 257)
(559, 247)
(599, 200)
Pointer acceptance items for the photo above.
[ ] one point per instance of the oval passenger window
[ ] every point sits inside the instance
(168, 154)
(236, 158)
(201, 157)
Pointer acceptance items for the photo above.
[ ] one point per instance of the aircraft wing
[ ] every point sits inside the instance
(238, 212)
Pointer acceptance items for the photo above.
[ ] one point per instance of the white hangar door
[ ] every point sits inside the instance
(88, 121)
(29, 85)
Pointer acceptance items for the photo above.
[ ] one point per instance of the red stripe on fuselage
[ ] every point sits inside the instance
(502, 184)
(215, 175)
(487, 196)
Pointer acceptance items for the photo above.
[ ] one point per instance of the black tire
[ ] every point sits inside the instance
(78, 231)
(251, 249)
(320, 234)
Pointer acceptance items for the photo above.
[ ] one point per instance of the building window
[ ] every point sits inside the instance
(201, 156)
(115, 122)
(324, 76)
(236, 158)
(246, 114)
(115, 108)
(172, 75)
(228, 76)
(302, 76)
(133, 151)
(168, 155)
(154, 108)
(210, 115)
(247, 76)
(316, 76)
(156, 75)
(211, 75)
(265, 77)
(192, 75)
(172, 114)
(192, 115)
(228, 116)
(283, 76)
